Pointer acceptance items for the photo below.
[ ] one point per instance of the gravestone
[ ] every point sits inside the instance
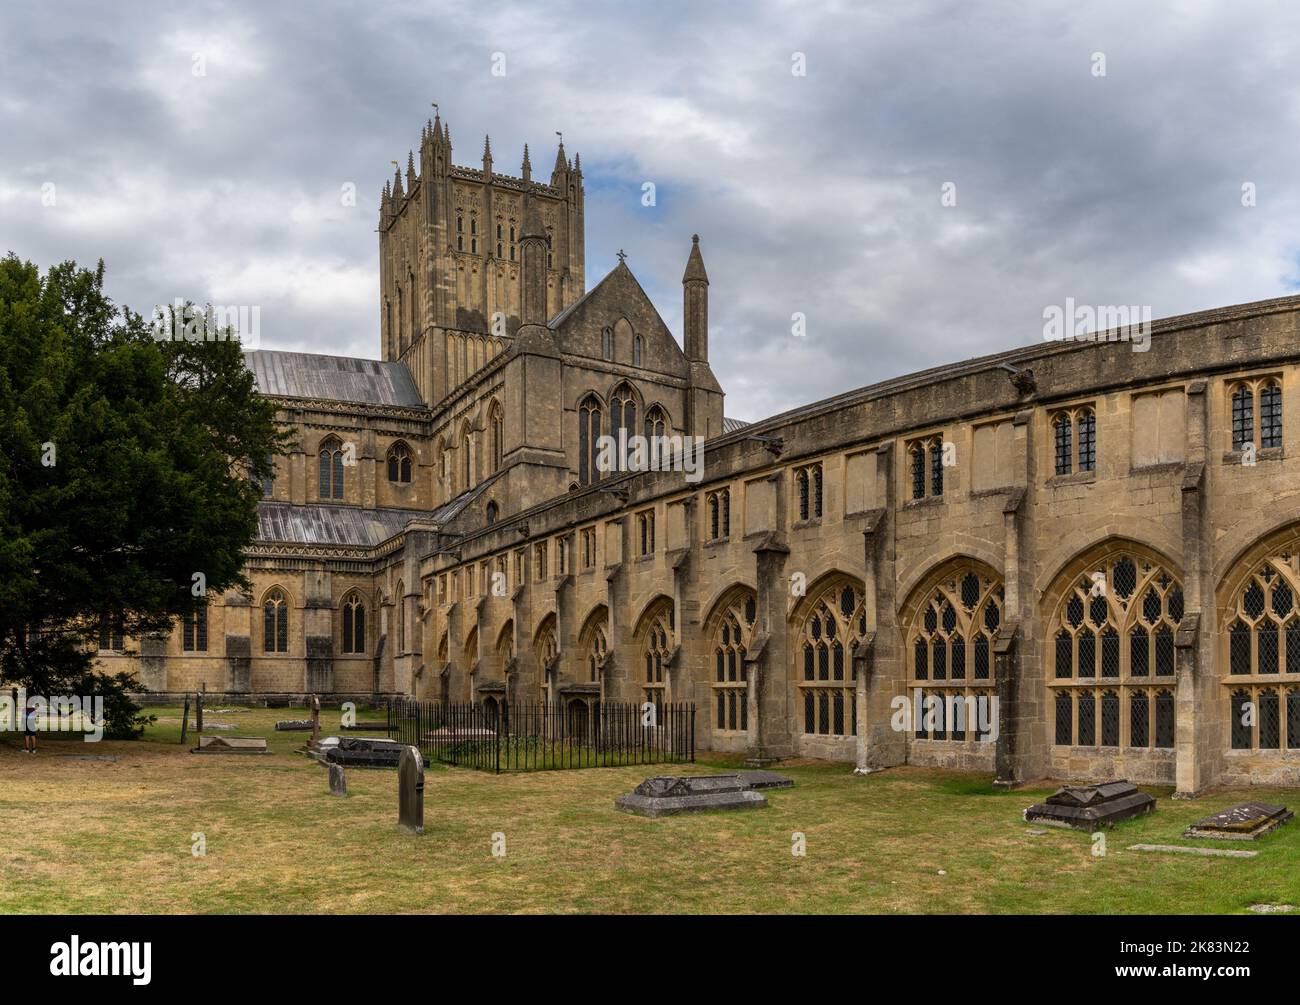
(361, 751)
(1243, 822)
(338, 782)
(315, 722)
(293, 725)
(198, 711)
(410, 791)
(1087, 807)
(231, 745)
(670, 795)
(764, 780)
(185, 720)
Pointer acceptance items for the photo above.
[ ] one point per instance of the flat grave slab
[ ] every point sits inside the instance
(765, 780)
(1244, 822)
(1087, 807)
(231, 745)
(1184, 850)
(671, 795)
(362, 751)
(293, 725)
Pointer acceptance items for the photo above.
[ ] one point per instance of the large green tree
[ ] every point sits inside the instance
(125, 464)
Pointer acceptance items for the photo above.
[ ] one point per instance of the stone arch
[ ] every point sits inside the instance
(825, 628)
(920, 573)
(593, 644)
(623, 334)
(722, 597)
(1093, 543)
(1062, 580)
(797, 607)
(471, 649)
(1231, 573)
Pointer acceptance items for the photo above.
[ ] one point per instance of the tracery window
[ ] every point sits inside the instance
(331, 468)
(719, 510)
(1263, 656)
(547, 649)
(597, 650)
(659, 645)
(1112, 642)
(275, 623)
(622, 421)
(950, 649)
(730, 675)
(588, 439)
(808, 486)
(1256, 413)
(354, 624)
(399, 463)
(925, 460)
(1074, 433)
(656, 423)
(835, 624)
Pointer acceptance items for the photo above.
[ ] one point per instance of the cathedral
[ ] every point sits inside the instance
(1096, 550)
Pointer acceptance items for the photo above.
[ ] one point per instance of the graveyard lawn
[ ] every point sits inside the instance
(117, 836)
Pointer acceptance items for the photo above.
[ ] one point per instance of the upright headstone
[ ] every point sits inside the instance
(185, 720)
(338, 782)
(410, 791)
(198, 712)
(315, 721)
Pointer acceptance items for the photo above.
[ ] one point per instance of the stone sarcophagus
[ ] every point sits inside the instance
(1087, 807)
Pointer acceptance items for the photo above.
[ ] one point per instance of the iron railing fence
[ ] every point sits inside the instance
(508, 736)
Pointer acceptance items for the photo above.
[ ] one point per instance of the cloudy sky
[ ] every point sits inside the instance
(819, 194)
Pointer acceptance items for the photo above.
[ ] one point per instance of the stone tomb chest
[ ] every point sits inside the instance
(1240, 823)
(362, 751)
(230, 745)
(668, 795)
(1087, 807)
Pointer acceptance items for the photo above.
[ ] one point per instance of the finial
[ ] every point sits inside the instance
(621, 255)
(487, 147)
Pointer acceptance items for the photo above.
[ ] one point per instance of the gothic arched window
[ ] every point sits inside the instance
(730, 639)
(1263, 651)
(588, 439)
(658, 647)
(636, 351)
(1113, 637)
(950, 648)
(275, 623)
(607, 343)
(399, 463)
(496, 430)
(831, 630)
(622, 420)
(1254, 400)
(194, 628)
(547, 649)
(354, 624)
(330, 469)
(656, 423)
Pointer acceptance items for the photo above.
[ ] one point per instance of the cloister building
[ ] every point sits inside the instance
(1107, 541)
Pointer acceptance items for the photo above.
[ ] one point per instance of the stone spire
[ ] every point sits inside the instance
(695, 305)
(528, 166)
(410, 170)
(487, 157)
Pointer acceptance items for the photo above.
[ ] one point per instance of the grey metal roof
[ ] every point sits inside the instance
(317, 524)
(731, 425)
(335, 378)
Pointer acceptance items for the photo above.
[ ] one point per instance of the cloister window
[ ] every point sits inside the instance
(636, 351)
(1112, 642)
(539, 560)
(950, 649)
(588, 547)
(1074, 434)
(925, 459)
(1263, 656)
(597, 649)
(496, 432)
(547, 649)
(730, 675)
(354, 624)
(588, 439)
(719, 507)
(110, 634)
(1256, 399)
(399, 463)
(808, 483)
(645, 521)
(832, 629)
(194, 628)
(658, 647)
(275, 623)
(331, 469)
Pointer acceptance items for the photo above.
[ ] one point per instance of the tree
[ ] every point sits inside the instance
(125, 466)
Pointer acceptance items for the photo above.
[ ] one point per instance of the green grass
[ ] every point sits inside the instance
(94, 836)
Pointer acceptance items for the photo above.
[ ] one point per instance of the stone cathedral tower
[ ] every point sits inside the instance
(450, 255)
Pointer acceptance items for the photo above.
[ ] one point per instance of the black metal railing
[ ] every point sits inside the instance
(540, 737)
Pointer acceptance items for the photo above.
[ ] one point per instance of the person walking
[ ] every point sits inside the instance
(29, 729)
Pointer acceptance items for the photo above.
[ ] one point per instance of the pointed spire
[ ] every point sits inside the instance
(487, 147)
(397, 181)
(446, 133)
(410, 169)
(577, 164)
(695, 264)
(561, 165)
(437, 123)
(528, 165)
